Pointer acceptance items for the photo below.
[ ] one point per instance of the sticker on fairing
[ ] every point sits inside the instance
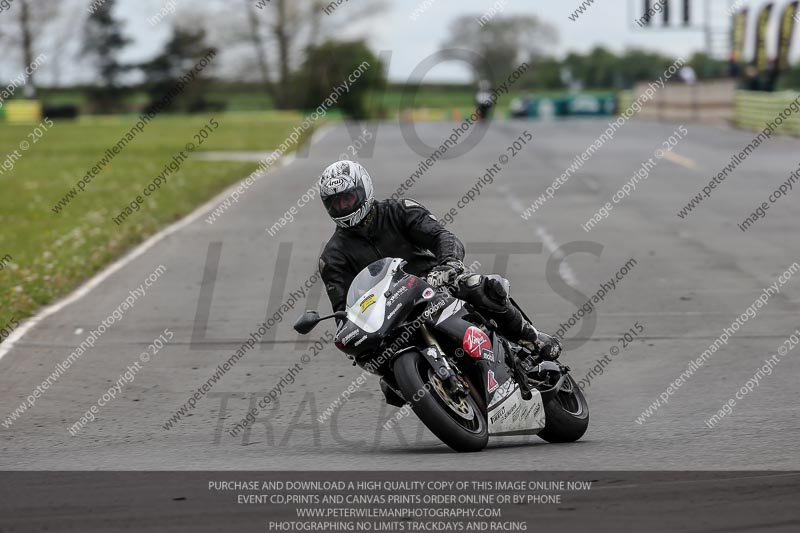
(428, 293)
(396, 309)
(361, 340)
(474, 341)
(400, 291)
(505, 390)
(350, 336)
(492, 383)
(366, 302)
(514, 415)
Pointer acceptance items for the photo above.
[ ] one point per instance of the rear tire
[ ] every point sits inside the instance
(412, 373)
(566, 415)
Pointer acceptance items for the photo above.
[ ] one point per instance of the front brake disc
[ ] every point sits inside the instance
(460, 407)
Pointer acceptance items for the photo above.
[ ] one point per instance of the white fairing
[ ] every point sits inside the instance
(371, 319)
(510, 414)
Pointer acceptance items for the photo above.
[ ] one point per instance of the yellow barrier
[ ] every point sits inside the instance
(755, 109)
(23, 111)
(425, 114)
(624, 100)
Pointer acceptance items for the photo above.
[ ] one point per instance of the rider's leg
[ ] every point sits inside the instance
(490, 295)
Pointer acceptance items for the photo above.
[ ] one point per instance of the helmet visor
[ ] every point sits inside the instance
(345, 203)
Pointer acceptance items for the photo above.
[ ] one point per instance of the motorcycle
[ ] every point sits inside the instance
(437, 353)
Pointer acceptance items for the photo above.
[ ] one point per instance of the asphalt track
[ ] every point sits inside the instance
(693, 277)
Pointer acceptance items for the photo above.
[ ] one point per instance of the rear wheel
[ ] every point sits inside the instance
(459, 423)
(566, 415)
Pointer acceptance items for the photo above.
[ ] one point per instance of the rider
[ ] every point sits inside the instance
(368, 231)
(483, 99)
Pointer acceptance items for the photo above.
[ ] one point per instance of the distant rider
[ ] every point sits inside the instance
(483, 99)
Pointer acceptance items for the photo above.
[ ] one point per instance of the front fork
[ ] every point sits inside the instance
(435, 356)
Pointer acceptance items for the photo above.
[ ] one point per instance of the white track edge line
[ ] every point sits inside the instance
(126, 259)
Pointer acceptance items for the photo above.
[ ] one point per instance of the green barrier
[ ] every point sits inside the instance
(755, 109)
(593, 105)
(2, 114)
(572, 105)
(546, 107)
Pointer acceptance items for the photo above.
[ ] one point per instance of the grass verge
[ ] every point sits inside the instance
(51, 254)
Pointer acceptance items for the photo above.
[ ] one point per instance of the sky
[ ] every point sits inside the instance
(606, 22)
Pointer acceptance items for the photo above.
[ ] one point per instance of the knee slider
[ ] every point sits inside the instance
(497, 288)
(473, 281)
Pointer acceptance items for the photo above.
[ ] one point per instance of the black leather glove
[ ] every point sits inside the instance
(445, 274)
(548, 347)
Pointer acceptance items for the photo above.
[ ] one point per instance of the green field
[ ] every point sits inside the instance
(248, 98)
(53, 253)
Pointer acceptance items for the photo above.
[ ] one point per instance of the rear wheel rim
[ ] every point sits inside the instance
(568, 399)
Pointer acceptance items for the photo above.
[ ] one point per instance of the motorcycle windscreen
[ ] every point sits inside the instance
(366, 298)
(367, 279)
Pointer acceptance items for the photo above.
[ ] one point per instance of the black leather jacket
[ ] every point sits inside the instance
(394, 228)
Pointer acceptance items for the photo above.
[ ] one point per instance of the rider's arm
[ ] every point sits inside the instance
(422, 228)
(337, 280)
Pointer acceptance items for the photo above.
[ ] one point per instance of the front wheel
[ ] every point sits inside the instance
(458, 423)
(566, 415)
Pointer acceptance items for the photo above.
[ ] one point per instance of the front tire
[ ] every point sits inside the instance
(566, 415)
(461, 433)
